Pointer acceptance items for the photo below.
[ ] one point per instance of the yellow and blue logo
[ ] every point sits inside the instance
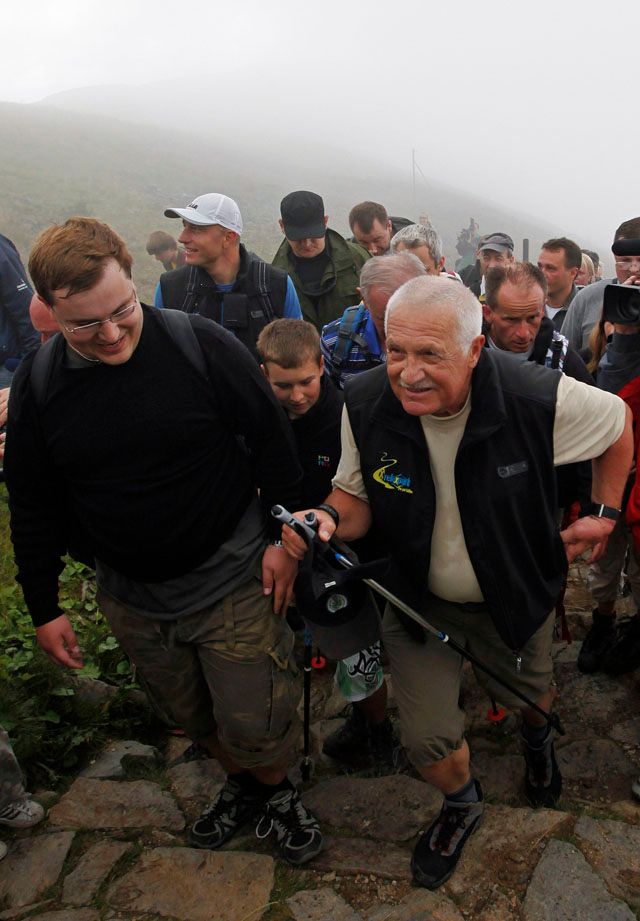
(398, 481)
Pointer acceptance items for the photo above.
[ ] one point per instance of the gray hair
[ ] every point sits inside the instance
(389, 272)
(421, 294)
(419, 235)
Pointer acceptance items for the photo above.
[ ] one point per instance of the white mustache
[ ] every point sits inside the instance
(415, 388)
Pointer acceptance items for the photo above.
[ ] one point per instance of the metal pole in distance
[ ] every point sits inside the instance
(525, 249)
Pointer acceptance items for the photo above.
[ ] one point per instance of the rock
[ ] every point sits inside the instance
(320, 731)
(110, 762)
(564, 887)
(595, 759)
(196, 784)
(335, 704)
(392, 808)
(96, 863)
(91, 803)
(32, 866)
(565, 653)
(627, 732)
(350, 856)
(196, 885)
(419, 905)
(613, 850)
(93, 693)
(505, 847)
(501, 776)
(598, 695)
(66, 914)
(14, 914)
(627, 810)
(321, 905)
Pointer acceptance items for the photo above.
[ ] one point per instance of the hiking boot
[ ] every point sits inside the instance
(22, 813)
(542, 778)
(297, 830)
(3, 850)
(635, 788)
(231, 809)
(597, 643)
(438, 850)
(350, 743)
(624, 654)
(384, 743)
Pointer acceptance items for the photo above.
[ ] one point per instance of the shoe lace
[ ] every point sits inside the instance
(221, 806)
(287, 815)
(452, 821)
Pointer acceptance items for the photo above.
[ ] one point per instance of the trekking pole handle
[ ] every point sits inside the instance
(303, 529)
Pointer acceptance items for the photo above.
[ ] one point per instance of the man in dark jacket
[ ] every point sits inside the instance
(372, 227)
(325, 267)
(222, 280)
(147, 435)
(469, 522)
(17, 335)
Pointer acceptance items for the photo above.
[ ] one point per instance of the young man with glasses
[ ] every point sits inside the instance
(152, 464)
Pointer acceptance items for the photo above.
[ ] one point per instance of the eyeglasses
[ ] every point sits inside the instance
(89, 327)
(629, 263)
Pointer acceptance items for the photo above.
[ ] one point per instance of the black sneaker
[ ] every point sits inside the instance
(542, 778)
(297, 830)
(438, 850)
(635, 788)
(624, 654)
(232, 808)
(350, 743)
(597, 643)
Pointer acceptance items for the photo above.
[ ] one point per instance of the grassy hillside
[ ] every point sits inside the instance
(56, 163)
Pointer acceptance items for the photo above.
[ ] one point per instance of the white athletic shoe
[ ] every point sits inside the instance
(23, 813)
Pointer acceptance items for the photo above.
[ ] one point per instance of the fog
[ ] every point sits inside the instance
(525, 106)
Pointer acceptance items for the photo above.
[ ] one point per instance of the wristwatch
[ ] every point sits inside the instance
(604, 511)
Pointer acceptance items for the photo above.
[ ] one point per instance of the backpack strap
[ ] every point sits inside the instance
(42, 369)
(349, 335)
(259, 279)
(190, 291)
(178, 325)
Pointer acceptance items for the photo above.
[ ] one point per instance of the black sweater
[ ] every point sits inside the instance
(317, 435)
(150, 461)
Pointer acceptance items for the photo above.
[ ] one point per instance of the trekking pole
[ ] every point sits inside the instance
(307, 530)
(306, 763)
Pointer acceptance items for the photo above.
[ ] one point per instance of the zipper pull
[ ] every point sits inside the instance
(518, 663)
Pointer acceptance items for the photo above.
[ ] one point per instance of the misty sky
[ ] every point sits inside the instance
(531, 106)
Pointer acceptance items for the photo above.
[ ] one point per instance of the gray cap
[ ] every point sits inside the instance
(498, 242)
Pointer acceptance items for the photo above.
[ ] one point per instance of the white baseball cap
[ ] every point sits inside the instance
(209, 209)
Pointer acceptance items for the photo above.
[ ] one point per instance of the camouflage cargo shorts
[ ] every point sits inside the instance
(228, 669)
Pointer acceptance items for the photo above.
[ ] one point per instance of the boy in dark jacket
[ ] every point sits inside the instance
(293, 364)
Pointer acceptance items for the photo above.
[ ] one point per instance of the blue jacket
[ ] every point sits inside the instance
(17, 335)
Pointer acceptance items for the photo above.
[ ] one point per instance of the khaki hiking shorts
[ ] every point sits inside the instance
(227, 670)
(427, 676)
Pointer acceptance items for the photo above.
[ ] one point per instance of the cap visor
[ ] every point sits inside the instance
(495, 247)
(190, 215)
(304, 233)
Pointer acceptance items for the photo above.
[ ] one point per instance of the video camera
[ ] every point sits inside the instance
(621, 305)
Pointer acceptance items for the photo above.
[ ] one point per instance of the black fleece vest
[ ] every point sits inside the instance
(505, 484)
(257, 297)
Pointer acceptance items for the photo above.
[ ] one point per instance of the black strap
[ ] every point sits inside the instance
(188, 304)
(351, 322)
(259, 279)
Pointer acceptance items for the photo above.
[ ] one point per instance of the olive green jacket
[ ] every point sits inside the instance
(339, 282)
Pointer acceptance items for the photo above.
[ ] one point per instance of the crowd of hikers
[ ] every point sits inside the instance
(350, 440)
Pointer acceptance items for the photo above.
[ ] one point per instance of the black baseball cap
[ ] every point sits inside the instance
(498, 242)
(302, 215)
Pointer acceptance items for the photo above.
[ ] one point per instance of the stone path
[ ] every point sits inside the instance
(114, 845)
